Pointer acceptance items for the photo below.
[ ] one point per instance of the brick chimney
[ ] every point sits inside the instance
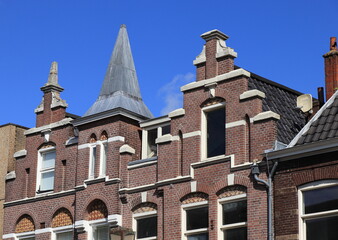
(52, 108)
(331, 68)
(216, 58)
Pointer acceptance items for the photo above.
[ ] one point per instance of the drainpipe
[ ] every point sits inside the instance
(255, 172)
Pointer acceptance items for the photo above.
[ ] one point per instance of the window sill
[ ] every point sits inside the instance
(148, 238)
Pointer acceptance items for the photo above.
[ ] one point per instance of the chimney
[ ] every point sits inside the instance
(216, 58)
(52, 108)
(331, 69)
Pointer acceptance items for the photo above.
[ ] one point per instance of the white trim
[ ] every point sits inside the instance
(252, 93)
(155, 122)
(116, 139)
(40, 171)
(193, 186)
(143, 164)
(63, 122)
(265, 115)
(231, 179)
(235, 124)
(92, 160)
(111, 139)
(177, 113)
(164, 139)
(184, 208)
(20, 153)
(204, 127)
(144, 196)
(302, 216)
(127, 149)
(222, 227)
(191, 134)
(103, 158)
(138, 216)
(219, 78)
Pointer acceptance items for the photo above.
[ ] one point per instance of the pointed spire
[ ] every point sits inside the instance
(52, 82)
(120, 88)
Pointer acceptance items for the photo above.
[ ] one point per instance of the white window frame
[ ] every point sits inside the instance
(63, 229)
(222, 227)
(92, 160)
(138, 216)
(204, 139)
(145, 138)
(97, 224)
(41, 152)
(25, 235)
(103, 157)
(303, 217)
(189, 206)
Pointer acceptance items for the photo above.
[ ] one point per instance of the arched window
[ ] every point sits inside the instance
(318, 210)
(145, 221)
(92, 156)
(195, 216)
(213, 128)
(63, 218)
(97, 214)
(46, 168)
(103, 153)
(25, 226)
(232, 211)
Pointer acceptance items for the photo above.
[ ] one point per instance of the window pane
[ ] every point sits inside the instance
(323, 228)
(64, 236)
(48, 160)
(215, 132)
(166, 130)
(197, 218)
(321, 199)
(235, 234)
(101, 233)
(147, 227)
(203, 236)
(152, 147)
(234, 212)
(47, 181)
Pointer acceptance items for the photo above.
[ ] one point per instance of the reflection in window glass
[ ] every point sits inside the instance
(165, 130)
(234, 212)
(152, 147)
(64, 236)
(235, 234)
(322, 228)
(321, 199)
(147, 227)
(202, 236)
(215, 132)
(197, 218)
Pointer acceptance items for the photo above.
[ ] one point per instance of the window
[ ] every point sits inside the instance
(213, 130)
(233, 217)
(64, 236)
(46, 168)
(319, 211)
(149, 146)
(103, 157)
(101, 232)
(92, 161)
(195, 221)
(146, 225)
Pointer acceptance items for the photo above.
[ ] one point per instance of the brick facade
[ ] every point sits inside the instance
(180, 174)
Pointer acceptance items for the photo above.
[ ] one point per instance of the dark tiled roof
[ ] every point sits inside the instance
(323, 126)
(281, 100)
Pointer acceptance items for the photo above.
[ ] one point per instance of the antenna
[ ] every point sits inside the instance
(304, 102)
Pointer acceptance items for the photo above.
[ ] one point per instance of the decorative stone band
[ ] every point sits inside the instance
(176, 113)
(20, 153)
(265, 115)
(63, 122)
(111, 139)
(252, 94)
(235, 73)
(127, 149)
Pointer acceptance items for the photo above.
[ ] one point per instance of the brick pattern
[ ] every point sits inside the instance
(97, 210)
(25, 224)
(145, 207)
(231, 191)
(62, 218)
(194, 197)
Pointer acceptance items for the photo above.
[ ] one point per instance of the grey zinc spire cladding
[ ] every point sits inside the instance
(120, 88)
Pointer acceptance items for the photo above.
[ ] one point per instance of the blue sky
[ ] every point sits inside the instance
(280, 40)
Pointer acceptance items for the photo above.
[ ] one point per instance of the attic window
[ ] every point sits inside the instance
(149, 136)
